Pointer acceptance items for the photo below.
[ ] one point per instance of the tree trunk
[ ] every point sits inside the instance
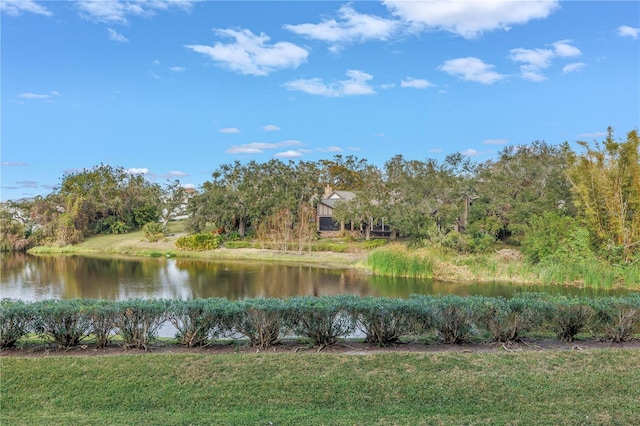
(241, 226)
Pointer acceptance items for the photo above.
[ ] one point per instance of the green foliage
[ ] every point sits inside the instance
(323, 320)
(155, 231)
(606, 184)
(199, 321)
(385, 321)
(570, 315)
(507, 320)
(139, 320)
(618, 317)
(104, 316)
(199, 242)
(240, 244)
(64, 322)
(262, 321)
(15, 321)
(525, 181)
(398, 260)
(455, 317)
(556, 238)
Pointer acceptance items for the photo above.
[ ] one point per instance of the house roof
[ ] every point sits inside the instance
(336, 196)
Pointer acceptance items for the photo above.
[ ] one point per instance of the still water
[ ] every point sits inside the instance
(32, 278)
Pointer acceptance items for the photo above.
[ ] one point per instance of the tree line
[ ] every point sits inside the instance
(557, 204)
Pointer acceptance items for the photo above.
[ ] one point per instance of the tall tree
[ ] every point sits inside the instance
(524, 182)
(606, 183)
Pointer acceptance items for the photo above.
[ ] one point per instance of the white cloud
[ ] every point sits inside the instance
(244, 149)
(330, 149)
(288, 154)
(138, 171)
(270, 128)
(355, 85)
(574, 67)
(229, 130)
(250, 54)
(563, 49)
(178, 69)
(13, 164)
(260, 147)
(177, 173)
(18, 7)
(535, 60)
(27, 183)
(494, 142)
(471, 69)
(592, 135)
(115, 36)
(415, 83)
(470, 152)
(189, 186)
(470, 19)
(627, 31)
(30, 96)
(435, 150)
(350, 27)
(117, 12)
(354, 148)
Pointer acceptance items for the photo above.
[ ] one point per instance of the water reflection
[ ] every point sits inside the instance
(40, 277)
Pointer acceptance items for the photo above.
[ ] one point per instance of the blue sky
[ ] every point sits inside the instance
(175, 88)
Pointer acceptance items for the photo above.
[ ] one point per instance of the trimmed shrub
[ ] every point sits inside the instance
(65, 322)
(103, 315)
(618, 317)
(569, 315)
(507, 319)
(262, 321)
(323, 320)
(139, 321)
(385, 321)
(15, 321)
(454, 317)
(199, 242)
(199, 321)
(154, 231)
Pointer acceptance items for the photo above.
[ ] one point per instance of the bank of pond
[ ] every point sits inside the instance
(319, 321)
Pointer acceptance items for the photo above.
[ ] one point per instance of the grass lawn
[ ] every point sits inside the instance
(531, 387)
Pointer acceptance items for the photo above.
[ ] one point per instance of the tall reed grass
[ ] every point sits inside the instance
(397, 260)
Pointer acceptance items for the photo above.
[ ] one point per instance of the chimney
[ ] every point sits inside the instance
(327, 191)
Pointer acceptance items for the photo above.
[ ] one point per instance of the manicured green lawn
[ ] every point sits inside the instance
(547, 387)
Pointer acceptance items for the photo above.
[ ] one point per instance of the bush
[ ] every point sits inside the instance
(15, 321)
(199, 321)
(103, 315)
(323, 320)
(618, 317)
(199, 242)
(385, 321)
(240, 244)
(569, 315)
(139, 320)
(154, 231)
(507, 319)
(454, 317)
(262, 321)
(65, 322)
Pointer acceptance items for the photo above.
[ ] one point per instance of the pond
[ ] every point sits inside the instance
(32, 278)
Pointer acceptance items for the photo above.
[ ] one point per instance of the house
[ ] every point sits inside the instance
(325, 208)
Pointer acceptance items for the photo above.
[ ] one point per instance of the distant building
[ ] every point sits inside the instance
(326, 206)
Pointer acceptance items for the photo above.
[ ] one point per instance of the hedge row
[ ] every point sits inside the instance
(320, 320)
